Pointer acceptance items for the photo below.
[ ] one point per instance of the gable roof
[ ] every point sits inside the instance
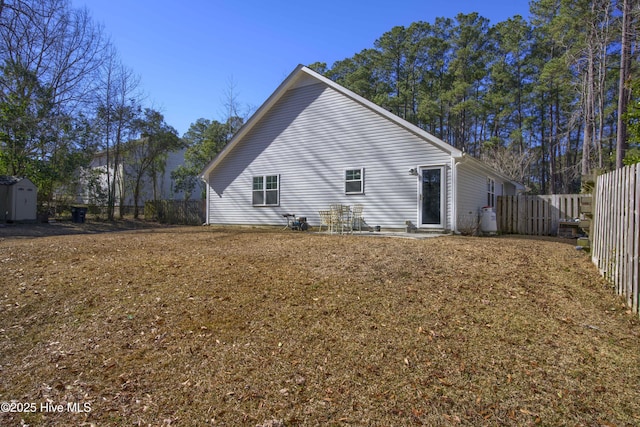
(297, 76)
(301, 72)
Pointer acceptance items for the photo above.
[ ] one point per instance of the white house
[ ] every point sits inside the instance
(314, 143)
(18, 199)
(164, 185)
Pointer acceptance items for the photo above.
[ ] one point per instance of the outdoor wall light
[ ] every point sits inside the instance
(413, 172)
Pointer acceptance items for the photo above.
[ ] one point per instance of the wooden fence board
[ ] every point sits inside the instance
(634, 236)
(536, 215)
(616, 231)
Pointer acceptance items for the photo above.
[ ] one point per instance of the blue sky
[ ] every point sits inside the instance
(189, 54)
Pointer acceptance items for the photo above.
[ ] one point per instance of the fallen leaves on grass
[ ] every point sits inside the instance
(197, 326)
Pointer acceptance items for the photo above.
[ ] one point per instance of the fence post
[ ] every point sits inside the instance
(636, 237)
(629, 233)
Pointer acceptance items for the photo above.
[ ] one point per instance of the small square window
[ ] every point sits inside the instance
(266, 190)
(354, 181)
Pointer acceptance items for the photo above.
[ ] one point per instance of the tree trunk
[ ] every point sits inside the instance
(136, 196)
(543, 149)
(588, 115)
(623, 90)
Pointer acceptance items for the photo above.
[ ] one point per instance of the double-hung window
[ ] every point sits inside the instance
(491, 193)
(266, 190)
(354, 181)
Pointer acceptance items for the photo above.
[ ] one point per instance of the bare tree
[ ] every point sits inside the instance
(50, 55)
(60, 45)
(148, 154)
(623, 89)
(118, 103)
(603, 41)
(510, 161)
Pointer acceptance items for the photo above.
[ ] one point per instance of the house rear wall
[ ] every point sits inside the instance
(473, 192)
(309, 138)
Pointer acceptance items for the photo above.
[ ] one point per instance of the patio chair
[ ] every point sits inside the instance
(356, 218)
(346, 219)
(325, 220)
(337, 217)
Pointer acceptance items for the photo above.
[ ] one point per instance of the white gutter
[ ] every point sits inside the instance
(208, 207)
(454, 184)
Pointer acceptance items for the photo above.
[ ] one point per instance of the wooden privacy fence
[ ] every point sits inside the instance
(186, 212)
(616, 230)
(536, 215)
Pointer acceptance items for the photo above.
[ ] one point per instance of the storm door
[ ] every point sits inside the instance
(431, 197)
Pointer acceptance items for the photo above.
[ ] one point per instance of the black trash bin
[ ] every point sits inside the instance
(78, 214)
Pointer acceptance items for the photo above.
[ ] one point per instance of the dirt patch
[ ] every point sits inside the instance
(203, 326)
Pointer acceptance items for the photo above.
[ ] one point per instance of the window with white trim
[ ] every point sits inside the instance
(266, 190)
(491, 193)
(354, 181)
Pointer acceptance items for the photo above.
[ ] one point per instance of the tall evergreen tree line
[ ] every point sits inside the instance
(537, 99)
(544, 100)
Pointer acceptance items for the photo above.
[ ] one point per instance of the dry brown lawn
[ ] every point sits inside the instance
(204, 326)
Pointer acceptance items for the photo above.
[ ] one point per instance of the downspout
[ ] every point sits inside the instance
(454, 196)
(207, 200)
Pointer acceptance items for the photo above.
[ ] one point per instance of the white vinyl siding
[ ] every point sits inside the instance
(474, 191)
(166, 186)
(311, 136)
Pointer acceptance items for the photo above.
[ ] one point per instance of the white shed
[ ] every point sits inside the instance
(18, 199)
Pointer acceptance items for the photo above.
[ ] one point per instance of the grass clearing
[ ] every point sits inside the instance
(205, 326)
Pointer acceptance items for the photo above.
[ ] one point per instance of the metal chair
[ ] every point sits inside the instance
(346, 219)
(339, 214)
(325, 220)
(356, 218)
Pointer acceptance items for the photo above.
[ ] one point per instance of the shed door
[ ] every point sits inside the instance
(25, 204)
(431, 197)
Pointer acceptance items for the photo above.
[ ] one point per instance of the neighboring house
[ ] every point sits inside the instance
(18, 199)
(314, 143)
(94, 181)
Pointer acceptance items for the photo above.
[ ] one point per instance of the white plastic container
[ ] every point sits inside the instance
(488, 222)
